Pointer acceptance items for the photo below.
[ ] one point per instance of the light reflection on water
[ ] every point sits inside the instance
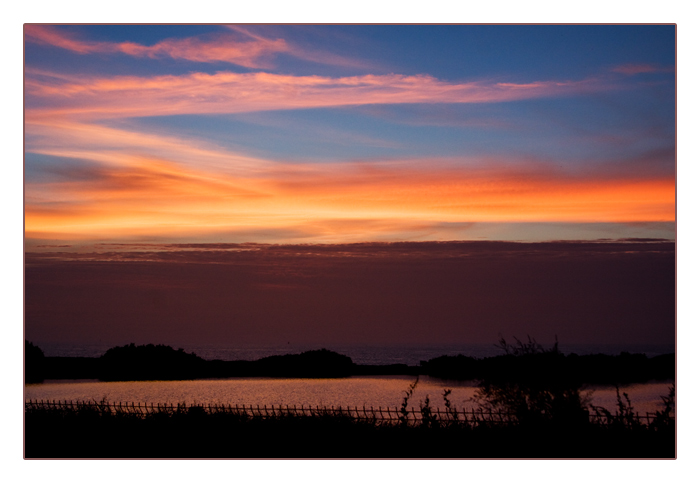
(353, 391)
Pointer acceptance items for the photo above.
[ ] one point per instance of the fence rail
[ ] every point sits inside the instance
(381, 415)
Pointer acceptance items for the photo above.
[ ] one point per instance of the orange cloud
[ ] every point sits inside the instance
(158, 198)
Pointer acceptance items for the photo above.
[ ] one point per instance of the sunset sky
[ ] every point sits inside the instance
(349, 133)
(335, 134)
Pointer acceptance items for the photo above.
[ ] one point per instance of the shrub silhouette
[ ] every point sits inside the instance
(623, 368)
(403, 418)
(663, 420)
(448, 407)
(537, 390)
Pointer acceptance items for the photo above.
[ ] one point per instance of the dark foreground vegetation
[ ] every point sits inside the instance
(100, 431)
(531, 407)
(160, 362)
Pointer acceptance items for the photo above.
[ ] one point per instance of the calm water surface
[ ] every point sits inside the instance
(384, 391)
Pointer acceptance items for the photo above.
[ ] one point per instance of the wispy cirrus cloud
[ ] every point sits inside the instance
(217, 47)
(238, 45)
(113, 146)
(228, 92)
(634, 69)
(307, 53)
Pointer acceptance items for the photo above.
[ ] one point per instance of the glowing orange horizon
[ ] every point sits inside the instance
(159, 198)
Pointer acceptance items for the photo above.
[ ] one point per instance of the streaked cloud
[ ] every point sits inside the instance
(634, 69)
(306, 53)
(157, 197)
(238, 45)
(229, 92)
(120, 146)
(218, 47)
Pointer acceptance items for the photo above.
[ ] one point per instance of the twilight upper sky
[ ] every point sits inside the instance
(307, 133)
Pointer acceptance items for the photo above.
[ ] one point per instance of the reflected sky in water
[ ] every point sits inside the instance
(354, 391)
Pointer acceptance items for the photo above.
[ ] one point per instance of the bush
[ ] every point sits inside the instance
(538, 391)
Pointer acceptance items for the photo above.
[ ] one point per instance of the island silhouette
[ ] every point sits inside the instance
(161, 362)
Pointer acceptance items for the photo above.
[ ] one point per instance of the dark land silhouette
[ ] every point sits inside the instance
(161, 362)
(34, 363)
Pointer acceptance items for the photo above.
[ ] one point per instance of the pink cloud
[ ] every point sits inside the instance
(307, 53)
(117, 147)
(228, 92)
(634, 69)
(212, 48)
(219, 48)
(47, 35)
(239, 46)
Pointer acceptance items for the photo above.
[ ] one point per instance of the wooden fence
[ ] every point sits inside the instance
(379, 415)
